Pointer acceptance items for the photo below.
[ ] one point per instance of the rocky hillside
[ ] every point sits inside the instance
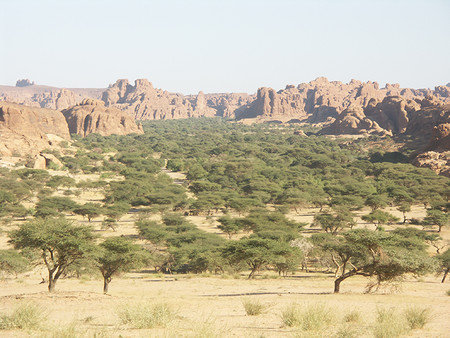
(29, 130)
(91, 116)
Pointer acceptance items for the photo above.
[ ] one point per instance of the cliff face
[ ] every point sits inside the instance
(144, 102)
(91, 116)
(26, 130)
(320, 99)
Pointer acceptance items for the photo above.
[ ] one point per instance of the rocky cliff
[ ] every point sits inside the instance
(321, 99)
(29, 130)
(144, 102)
(91, 116)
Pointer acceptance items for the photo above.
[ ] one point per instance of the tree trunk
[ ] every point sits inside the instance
(106, 281)
(252, 273)
(337, 284)
(51, 284)
(445, 274)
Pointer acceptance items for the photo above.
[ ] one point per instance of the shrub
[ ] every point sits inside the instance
(145, 316)
(417, 317)
(316, 316)
(253, 307)
(388, 324)
(25, 316)
(291, 316)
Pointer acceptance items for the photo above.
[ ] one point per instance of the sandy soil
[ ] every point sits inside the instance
(208, 305)
(212, 306)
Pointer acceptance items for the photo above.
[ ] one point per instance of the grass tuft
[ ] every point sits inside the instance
(417, 317)
(316, 317)
(25, 316)
(291, 316)
(313, 317)
(145, 316)
(352, 317)
(388, 324)
(253, 307)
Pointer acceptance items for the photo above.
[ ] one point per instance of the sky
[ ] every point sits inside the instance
(224, 45)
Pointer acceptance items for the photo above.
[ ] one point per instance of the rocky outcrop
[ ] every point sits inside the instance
(46, 97)
(439, 162)
(229, 105)
(144, 102)
(44, 161)
(393, 113)
(91, 116)
(353, 121)
(321, 99)
(26, 130)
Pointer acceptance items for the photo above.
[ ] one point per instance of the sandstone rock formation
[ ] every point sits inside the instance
(24, 130)
(439, 162)
(320, 99)
(43, 161)
(393, 113)
(91, 116)
(46, 97)
(144, 102)
(353, 121)
(229, 105)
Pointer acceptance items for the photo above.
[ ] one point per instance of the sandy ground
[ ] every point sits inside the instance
(212, 306)
(208, 305)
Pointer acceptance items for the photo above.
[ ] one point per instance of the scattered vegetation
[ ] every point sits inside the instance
(146, 315)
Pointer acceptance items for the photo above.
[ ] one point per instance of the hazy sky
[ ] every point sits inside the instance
(224, 45)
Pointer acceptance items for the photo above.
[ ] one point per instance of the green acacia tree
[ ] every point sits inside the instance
(89, 210)
(255, 252)
(436, 217)
(379, 217)
(119, 254)
(384, 256)
(61, 243)
(444, 260)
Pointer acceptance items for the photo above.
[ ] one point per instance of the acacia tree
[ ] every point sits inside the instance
(384, 256)
(255, 252)
(379, 217)
(62, 244)
(445, 263)
(332, 223)
(436, 217)
(229, 226)
(89, 210)
(119, 254)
